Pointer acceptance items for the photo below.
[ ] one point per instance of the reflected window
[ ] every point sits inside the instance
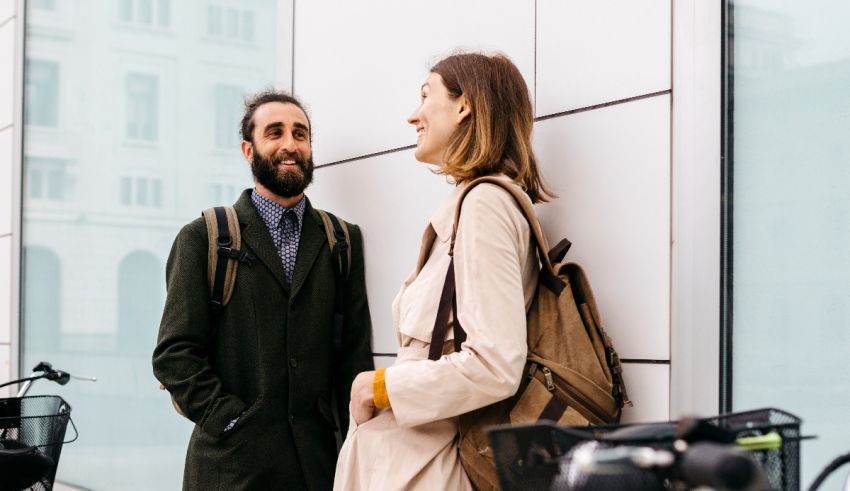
(228, 115)
(140, 191)
(786, 330)
(214, 20)
(47, 179)
(248, 27)
(42, 93)
(223, 194)
(140, 299)
(147, 13)
(230, 23)
(42, 292)
(142, 106)
(43, 4)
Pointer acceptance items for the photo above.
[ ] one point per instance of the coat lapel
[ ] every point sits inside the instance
(428, 238)
(256, 235)
(312, 238)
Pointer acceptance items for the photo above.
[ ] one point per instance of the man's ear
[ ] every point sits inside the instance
(464, 108)
(248, 151)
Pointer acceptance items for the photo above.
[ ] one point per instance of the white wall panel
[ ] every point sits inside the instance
(611, 169)
(358, 68)
(7, 9)
(648, 386)
(5, 290)
(7, 72)
(384, 361)
(6, 181)
(5, 369)
(600, 51)
(391, 197)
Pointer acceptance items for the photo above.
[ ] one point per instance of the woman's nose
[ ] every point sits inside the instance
(413, 118)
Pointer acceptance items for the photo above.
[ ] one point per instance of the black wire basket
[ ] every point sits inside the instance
(32, 432)
(531, 456)
(781, 465)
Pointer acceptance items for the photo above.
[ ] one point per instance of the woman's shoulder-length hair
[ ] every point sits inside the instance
(496, 136)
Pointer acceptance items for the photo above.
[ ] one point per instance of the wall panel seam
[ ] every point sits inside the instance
(537, 119)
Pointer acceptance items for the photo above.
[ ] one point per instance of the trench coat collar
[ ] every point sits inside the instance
(444, 218)
(256, 235)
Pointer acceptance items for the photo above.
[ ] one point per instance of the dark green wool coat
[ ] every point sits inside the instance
(270, 355)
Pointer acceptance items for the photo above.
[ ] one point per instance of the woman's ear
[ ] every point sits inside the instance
(464, 108)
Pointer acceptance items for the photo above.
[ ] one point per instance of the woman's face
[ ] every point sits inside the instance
(436, 119)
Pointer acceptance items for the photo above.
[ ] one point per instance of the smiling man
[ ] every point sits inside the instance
(259, 376)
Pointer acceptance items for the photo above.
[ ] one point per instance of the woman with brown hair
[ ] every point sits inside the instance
(474, 120)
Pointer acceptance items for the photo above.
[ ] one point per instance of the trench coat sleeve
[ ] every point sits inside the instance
(491, 256)
(356, 353)
(180, 359)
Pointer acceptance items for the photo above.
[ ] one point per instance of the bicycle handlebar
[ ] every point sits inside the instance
(45, 370)
(718, 466)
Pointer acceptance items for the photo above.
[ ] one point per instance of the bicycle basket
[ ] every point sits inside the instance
(781, 465)
(528, 457)
(39, 422)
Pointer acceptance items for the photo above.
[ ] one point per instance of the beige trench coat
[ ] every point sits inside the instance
(413, 445)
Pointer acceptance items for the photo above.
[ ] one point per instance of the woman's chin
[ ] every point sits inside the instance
(426, 158)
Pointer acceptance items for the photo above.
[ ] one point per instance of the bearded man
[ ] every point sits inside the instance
(259, 376)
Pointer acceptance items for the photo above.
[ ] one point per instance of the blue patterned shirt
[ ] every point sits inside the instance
(284, 226)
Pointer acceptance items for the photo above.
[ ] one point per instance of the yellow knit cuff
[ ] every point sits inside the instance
(379, 387)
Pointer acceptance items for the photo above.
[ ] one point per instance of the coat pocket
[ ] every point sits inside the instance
(244, 418)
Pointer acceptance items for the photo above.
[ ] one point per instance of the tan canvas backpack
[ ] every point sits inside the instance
(572, 373)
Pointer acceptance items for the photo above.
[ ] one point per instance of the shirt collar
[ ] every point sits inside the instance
(271, 211)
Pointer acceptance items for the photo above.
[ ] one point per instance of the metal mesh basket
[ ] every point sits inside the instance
(782, 465)
(529, 457)
(36, 421)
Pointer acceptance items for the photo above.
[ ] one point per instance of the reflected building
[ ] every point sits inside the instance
(132, 115)
(131, 128)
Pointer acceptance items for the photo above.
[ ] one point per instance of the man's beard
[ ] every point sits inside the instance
(284, 182)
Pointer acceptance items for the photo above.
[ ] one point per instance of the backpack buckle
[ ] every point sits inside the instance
(216, 306)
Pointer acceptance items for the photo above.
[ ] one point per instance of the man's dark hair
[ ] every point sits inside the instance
(254, 101)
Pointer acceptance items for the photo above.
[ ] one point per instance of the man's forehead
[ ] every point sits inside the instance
(280, 112)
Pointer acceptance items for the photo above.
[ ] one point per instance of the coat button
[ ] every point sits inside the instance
(293, 362)
(292, 419)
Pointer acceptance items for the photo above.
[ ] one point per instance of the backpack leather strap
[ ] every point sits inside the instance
(448, 304)
(448, 297)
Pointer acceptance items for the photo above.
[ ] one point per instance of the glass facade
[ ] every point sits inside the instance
(788, 197)
(131, 112)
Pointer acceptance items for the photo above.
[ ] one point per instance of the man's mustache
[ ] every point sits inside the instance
(299, 160)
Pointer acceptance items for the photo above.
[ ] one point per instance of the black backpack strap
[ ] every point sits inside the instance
(340, 246)
(224, 254)
(223, 242)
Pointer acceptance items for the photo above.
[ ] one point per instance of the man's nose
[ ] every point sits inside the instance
(288, 144)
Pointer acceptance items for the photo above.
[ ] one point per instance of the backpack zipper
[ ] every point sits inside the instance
(550, 377)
